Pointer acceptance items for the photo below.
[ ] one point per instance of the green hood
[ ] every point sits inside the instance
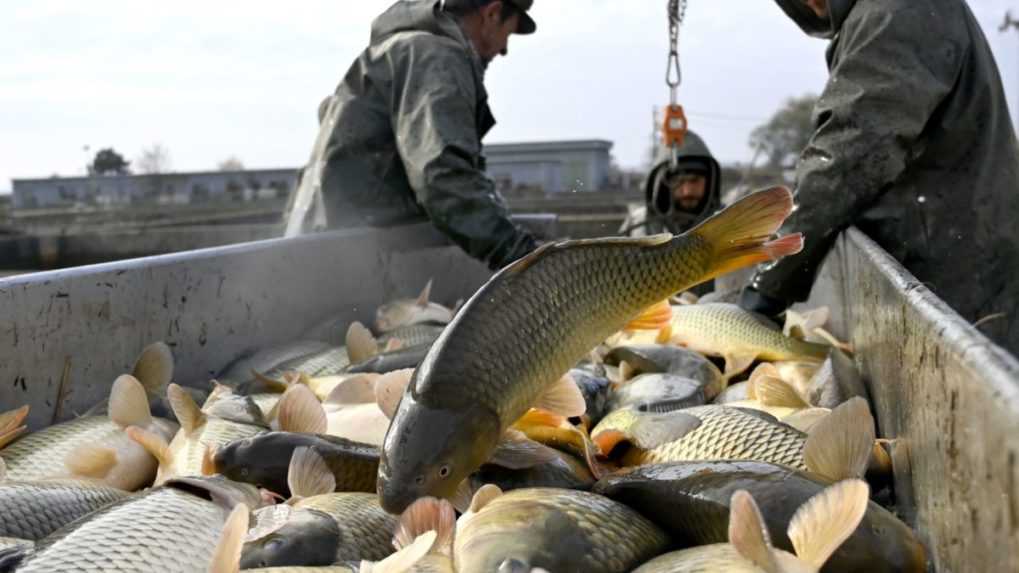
(838, 10)
(694, 152)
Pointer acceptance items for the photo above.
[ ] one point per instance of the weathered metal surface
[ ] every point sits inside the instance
(947, 392)
(65, 335)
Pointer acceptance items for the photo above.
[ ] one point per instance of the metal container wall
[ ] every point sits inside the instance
(947, 392)
(66, 335)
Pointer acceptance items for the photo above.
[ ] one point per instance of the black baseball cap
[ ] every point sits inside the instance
(527, 25)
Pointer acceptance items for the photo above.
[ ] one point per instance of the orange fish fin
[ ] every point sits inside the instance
(564, 398)
(740, 235)
(655, 317)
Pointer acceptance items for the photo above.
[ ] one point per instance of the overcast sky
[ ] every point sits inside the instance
(215, 78)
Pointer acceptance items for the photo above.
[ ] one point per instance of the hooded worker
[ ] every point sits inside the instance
(677, 199)
(400, 139)
(914, 145)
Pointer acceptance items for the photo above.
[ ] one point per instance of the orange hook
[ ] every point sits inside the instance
(675, 126)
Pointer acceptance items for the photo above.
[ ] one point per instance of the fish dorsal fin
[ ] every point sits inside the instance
(826, 520)
(186, 409)
(748, 533)
(226, 558)
(424, 515)
(361, 344)
(12, 425)
(772, 391)
(129, 405)
(564, 398)
(91, 461)
(309, 475)
(359, 389)
(153, 444)
(403, 560)
(654, 317)
(301, 412)
(839, 446)
(426, 295)
(484, 496)
(516, 451)
(390, 388)
(154, 368)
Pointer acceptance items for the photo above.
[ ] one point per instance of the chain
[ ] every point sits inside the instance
(673, 73)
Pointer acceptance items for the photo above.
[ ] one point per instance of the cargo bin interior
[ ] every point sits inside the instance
(936, 384)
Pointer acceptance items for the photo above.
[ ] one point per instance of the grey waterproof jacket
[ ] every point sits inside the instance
(653, 217)
(915, 146)
(400, 140)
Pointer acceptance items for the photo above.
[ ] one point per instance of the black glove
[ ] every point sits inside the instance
(763, 304)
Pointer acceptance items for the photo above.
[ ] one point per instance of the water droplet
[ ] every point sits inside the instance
(921, 199)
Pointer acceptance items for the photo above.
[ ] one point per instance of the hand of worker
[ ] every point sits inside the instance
(754, 301)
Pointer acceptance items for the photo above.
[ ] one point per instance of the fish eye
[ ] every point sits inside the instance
(444, 471)
(420, 480)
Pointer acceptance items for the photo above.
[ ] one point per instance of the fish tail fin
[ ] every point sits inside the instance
(839, 446)
(309, 475)
(154, 369)
(184, 407)
(154, 444)
(301, 412)
(740, 234)
(226, 558)
(748, 534)
(12, 425)
(826, 520)
(361, 344)
(655, 317)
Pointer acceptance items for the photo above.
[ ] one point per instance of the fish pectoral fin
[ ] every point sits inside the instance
(361, 344)
(664, 334)
(153, 443)
(772, 391)
(737, 363)
(185, 409)
(748, 533)
(154, 368)
(426, 295)
(826, 520)
(309, 475)
(655, 317)
(516, 452)
(423, 516)
(301, 412)
(9, 436)
(226, 558)
(463, 495)
(832, 341)
(13, 419)
(129, 404)
(799, 325)
(359, 389)
(839, 446)
(653, 430)
(91, 461)
(563, 398)
(404, 559)
(389, 389)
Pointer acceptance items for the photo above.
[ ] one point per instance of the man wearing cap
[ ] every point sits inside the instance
(914, 145)
(400, 139)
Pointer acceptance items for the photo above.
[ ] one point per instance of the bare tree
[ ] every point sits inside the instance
(231, 163)
(153, 160)
(786, 134)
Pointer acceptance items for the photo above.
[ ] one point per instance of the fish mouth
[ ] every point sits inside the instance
(391, 500)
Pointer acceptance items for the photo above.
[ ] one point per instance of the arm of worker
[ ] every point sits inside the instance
(434, 118)
(893, 70)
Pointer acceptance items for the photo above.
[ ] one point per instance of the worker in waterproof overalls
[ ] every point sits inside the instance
(400, 140)
(914, 145)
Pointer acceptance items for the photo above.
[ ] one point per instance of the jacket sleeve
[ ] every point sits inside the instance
(892, 71)
(434, 118)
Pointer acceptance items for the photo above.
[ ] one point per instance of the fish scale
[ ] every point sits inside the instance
(728, 434)
(618, 277)
(41, 454)
(604, 535)
(366, 530)
(705, 559)
(164, 530)
(213, 434)
(717, 328)
(33, 510)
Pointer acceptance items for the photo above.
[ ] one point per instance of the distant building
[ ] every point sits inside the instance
(552, 166)
(161, 189)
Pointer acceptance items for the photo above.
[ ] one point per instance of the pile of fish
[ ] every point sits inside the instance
(571, 416)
